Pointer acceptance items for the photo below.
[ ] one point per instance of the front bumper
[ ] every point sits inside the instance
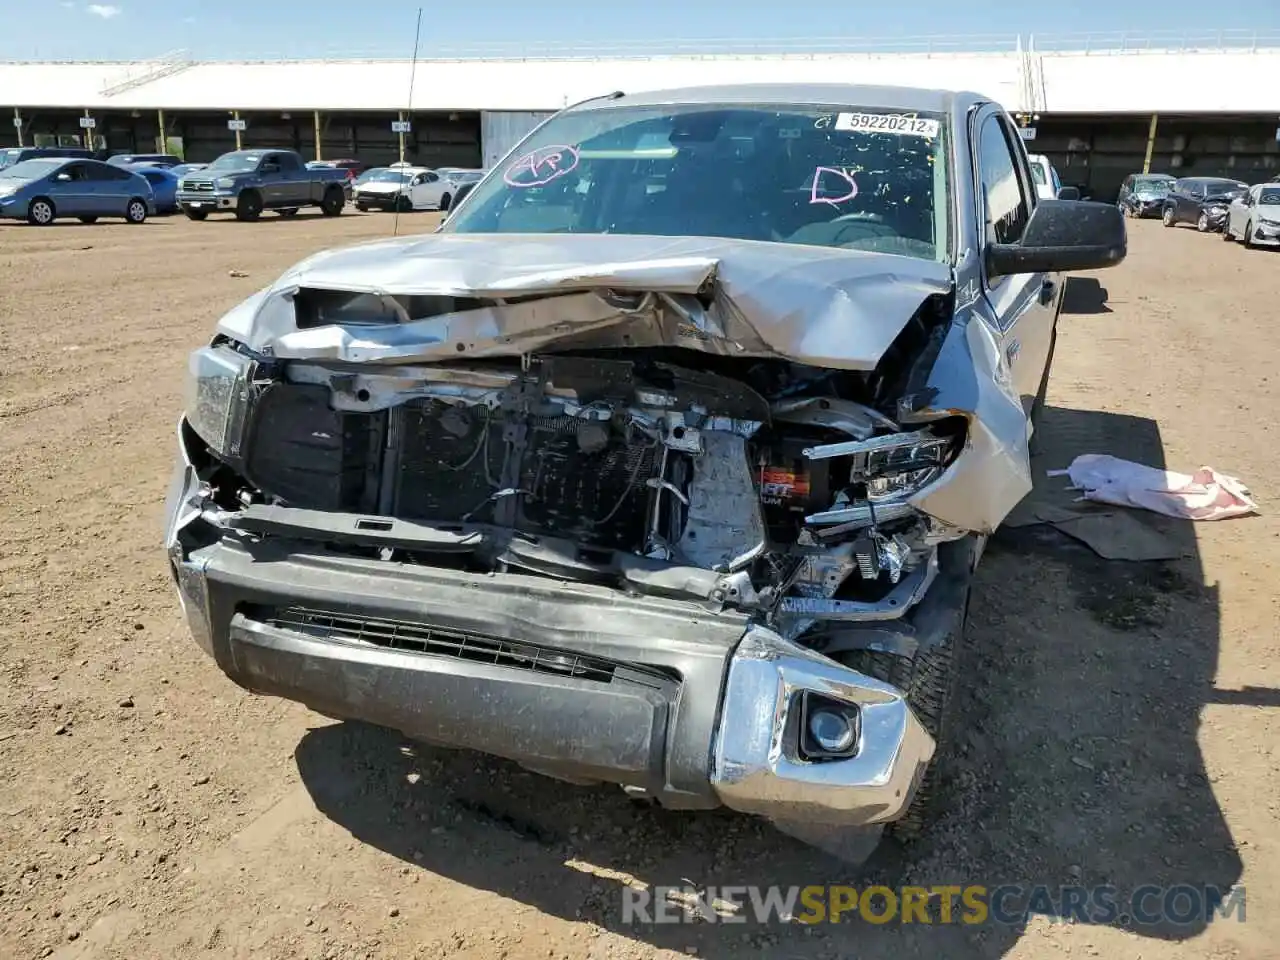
(1266, 234)
(1147, 208)
(378, 201)
(207, 200)
(581, 682)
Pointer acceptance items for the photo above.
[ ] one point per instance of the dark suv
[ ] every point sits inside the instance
(1143, 194)
(1202, 201)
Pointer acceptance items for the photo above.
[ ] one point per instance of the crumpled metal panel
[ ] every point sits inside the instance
(814, 305)
(993, 472)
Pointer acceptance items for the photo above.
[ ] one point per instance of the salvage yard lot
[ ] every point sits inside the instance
(1122, 722)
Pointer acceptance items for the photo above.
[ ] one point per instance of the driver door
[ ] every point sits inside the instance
(1025, 305)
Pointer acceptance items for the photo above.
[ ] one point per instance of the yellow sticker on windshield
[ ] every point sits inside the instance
(900, 123)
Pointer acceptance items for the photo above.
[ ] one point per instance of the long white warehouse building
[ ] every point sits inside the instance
(1100, 113)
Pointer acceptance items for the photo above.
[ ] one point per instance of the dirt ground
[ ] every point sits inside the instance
(1122, 725)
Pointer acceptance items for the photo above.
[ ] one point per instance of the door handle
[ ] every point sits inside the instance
(1047, 292)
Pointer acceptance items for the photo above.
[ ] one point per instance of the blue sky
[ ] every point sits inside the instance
(110, 29)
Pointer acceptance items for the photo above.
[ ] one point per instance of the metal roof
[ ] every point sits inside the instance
(877, 97)
(1235, 80)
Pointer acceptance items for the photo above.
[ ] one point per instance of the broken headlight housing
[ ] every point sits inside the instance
(218, 379)
(896, 465)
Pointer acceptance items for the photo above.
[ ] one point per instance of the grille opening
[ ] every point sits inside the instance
(416, 637)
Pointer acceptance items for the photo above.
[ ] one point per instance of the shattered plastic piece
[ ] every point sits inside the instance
(1204, 495)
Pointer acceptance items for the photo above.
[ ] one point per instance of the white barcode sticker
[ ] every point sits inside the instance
(900, 123)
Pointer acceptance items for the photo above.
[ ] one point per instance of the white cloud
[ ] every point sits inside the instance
(104, 10)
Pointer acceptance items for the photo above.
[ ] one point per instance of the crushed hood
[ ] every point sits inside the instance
(816, 305)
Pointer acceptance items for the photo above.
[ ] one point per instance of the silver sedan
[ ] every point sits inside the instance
(43, 189)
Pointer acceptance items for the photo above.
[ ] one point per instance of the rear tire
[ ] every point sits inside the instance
(1226, 231)
(333, 201)
(136, 211)
(87, 219)
(249, 206)
(41, 212)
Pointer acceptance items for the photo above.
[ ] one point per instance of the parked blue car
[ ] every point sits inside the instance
(39, 191)
(164, 184)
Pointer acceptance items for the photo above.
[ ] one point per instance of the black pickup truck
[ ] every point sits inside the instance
(246, 182)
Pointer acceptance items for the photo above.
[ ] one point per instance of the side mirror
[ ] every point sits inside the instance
(1063, 235)
(1068, 193)
(62, 177)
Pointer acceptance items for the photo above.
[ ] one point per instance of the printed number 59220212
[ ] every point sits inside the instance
(899, 123)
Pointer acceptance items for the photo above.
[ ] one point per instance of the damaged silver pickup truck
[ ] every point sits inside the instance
(666, 462)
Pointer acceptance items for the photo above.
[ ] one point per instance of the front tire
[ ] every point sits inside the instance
(333, 201)
(41, 212)
(136, 211)
(928, 680)
(1167, 216)
(1226, 231)
(1202, 224)
(1247, 239)
(249, 206)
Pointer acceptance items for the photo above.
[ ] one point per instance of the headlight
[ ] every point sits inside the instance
(8, 189)
(217, 395)
(898, 464)
(224, 183)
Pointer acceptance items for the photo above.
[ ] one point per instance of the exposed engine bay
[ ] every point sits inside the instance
(760, 485)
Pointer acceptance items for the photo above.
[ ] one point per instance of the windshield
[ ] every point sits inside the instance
(1157, 185)
(387, 176)
(1215, 189)
(32, 169)
(1269, 195)
(833, 177)
(9, 157)
(236, 161)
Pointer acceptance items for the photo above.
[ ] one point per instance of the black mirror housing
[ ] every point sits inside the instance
(1063, 235)
(1068, 193)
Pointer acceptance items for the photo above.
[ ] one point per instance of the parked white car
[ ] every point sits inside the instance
(1255, 216)
(1045, 176)
(404, 187)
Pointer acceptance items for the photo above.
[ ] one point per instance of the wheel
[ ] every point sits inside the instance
(1247, 238)
(249, 206)
(1226, 230)
(929, 680)
(403, 204)
(136, 211)
(87, 219)
(445, 201)
(288, 211)
(333, 201)
(193, 214)
(1167, 217)
(41, 212)
(362, 207)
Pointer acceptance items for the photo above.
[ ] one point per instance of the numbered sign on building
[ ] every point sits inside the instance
(236, 125)
(401, 126)
(88, 123)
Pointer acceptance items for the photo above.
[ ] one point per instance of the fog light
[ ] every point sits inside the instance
(833, 732)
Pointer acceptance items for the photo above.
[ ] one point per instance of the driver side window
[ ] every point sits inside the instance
(270, 165)
(1005, 204)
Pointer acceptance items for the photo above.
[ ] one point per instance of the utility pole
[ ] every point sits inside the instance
(164, 140)
(1151, 143)
(17, 125)
(318, 157)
